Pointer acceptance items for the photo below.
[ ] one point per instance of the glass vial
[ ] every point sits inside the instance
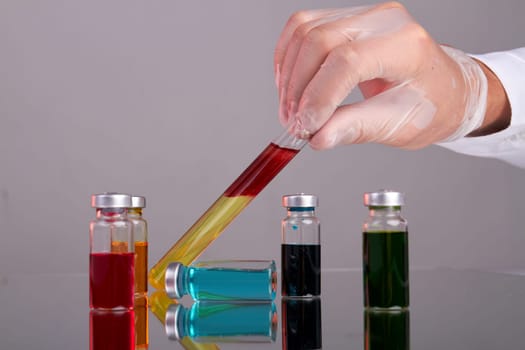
(140, 235)
(223, 280)
(387, 330)
(301, 247)
(112, 257)
(225, 322)
(385, 252)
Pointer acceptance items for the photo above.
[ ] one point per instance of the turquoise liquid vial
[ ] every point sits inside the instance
(220, 322)
(223, 280)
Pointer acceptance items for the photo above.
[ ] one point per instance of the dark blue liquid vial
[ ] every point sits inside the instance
(301, 247)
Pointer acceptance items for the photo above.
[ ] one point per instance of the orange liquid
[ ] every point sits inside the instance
(141, 322)
(119, 247)
(141, 267)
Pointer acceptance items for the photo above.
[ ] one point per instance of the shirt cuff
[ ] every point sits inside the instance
(508, 144)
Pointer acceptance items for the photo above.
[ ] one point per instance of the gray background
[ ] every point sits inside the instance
(172, 99)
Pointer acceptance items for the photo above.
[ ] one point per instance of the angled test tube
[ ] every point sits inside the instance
(230, 204)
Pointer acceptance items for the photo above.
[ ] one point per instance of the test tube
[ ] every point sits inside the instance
(230, 204)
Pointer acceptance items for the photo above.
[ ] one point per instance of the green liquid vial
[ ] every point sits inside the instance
(385, 252)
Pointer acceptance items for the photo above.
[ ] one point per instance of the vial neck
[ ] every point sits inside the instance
(384, 211)
(134, 212)
(112, 213)
(300, 212)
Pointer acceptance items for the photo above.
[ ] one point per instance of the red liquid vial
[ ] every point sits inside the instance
(112, 257)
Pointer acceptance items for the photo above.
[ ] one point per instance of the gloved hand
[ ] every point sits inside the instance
(416, 91)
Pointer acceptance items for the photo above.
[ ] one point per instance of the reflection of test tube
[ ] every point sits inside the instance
(223, 280)
(160, 302)
(301, 323)
(225, 322)
(387, 330)
(230, 204)
(111, 330)
(141, 322)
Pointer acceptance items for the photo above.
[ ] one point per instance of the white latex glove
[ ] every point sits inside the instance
(416, 91)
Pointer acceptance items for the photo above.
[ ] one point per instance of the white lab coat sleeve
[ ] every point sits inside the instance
(509, 144)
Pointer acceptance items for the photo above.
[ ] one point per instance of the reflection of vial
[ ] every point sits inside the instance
(301, 323)
(140, 307)
(111, 259)
(387, 330)
(223, 280)
(385, 251)
(301, 247)
(111, 330)
(225, 322)
(140, 234)
(160, 303)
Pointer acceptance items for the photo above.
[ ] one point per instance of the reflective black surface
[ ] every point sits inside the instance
(450, 309)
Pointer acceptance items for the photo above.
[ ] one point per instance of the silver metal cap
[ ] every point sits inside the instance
(384, 198)
(138, 202)
(300, 200)
(110, 200)
(171, 280)
(171, 322)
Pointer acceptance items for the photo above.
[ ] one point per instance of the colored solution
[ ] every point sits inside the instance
(119, 247)
(111, 280)
(301, 324)
(160, 303)
(385, 269)
(228, 284)
(225, 209)
(140, 307)
(388, 330)
(141, 267)
(301, 269)
(111, 330)
(228, 322)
